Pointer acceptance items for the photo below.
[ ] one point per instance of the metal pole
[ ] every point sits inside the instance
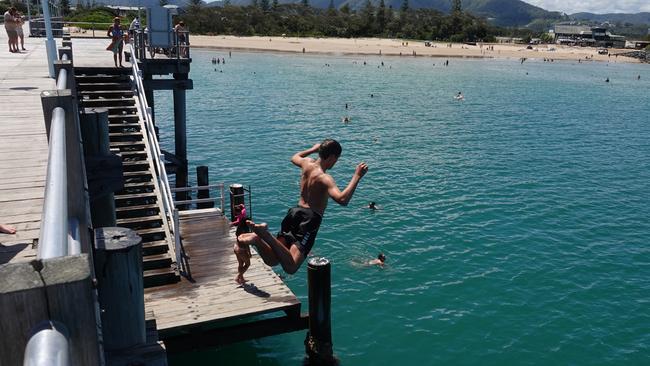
(48, 346)
(53, 240)
(318, 343)
(50, 45)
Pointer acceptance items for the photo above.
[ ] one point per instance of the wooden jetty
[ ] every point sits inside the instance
(191, 298)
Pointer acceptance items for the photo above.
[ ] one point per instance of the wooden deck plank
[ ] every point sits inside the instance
(23, 146)
(215, 296)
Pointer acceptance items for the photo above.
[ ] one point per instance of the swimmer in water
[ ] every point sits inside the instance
(379, 261)
(345, 119)
(459, 96)
(373, 206)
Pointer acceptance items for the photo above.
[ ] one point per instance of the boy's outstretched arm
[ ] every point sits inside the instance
(299, 158)
(344, 197)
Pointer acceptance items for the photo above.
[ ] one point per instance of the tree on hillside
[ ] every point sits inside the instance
(65, 7)
(368, 16)
(456, 6)
(381, 17)
(305, 3)
(197, 2)
(405, 6)
(264, 4)
(274, 5)
(331, 9)
(345, 9)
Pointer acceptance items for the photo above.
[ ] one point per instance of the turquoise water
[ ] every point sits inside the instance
(515, 222)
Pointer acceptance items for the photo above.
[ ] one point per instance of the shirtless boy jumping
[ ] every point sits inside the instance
(299, 227)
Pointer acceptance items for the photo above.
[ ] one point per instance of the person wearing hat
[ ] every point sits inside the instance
(116, 33)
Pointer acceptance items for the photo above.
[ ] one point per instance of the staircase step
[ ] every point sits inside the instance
(135, 165)
(130, 145)
(110, 102)
(98, 78)
(156, 261)
(103, 86)
(112, 118)
(106, 93)
(133, 220)
(155, 247)
(159, 277)
(116, 127)
(133, 154)
(136, 211)
(79, 71)
(124, 136)
(151, 234)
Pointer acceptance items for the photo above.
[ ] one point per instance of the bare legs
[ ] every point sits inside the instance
(272, 250)
(243, 254)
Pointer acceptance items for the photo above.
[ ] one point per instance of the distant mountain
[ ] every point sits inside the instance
(638, 18)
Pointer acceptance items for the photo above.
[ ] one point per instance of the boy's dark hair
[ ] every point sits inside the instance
(381, 257)
(329, 147)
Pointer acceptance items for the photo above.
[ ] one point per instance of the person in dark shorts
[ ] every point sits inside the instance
(300, 226)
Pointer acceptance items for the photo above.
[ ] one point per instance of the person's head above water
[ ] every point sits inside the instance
(329, 152)
(372, 204)
(381, 257)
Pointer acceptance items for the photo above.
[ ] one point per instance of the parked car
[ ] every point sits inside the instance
(602, 51)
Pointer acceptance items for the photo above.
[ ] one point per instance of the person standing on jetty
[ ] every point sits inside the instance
(300, 226)
(117, 40)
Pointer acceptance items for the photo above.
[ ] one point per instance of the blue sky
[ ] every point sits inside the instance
(593, 6)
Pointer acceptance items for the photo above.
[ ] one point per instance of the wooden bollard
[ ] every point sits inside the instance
(118, 267)
(318, 343)
(203, 179)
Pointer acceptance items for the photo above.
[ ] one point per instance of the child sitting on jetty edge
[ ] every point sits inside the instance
(300, 226)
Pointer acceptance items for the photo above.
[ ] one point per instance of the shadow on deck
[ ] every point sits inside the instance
(215, 310)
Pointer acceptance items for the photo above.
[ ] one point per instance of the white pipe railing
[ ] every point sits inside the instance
(202, 200)
(158, 158)
(53, 239)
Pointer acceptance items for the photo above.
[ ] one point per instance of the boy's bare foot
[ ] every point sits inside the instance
(240, 279)
(257, 227)
(6, 229)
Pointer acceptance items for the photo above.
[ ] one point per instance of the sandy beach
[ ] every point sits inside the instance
(396, 47)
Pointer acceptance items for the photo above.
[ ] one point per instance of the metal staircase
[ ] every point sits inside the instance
(139, 205)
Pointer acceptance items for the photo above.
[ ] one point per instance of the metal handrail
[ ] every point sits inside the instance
(53, 239)
(202, 200)
(158, 158)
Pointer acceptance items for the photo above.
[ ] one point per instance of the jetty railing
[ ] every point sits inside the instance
(178, 48)
(212, 199)
(65, 229)
(59, 235)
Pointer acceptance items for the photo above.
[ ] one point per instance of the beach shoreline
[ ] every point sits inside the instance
(397, 47)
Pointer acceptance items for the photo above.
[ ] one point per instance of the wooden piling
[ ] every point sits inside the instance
(118, 266)
(57, 289)
(180, 137)
(203, 179)
(94, 131)
(236, 198)
(318, 343)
